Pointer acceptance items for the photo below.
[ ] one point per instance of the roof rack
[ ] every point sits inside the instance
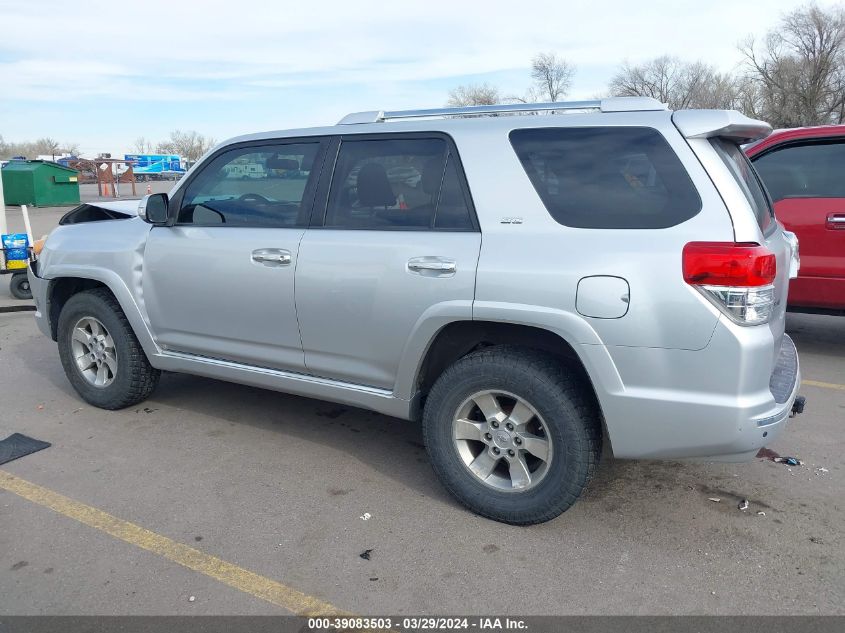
(612, 104)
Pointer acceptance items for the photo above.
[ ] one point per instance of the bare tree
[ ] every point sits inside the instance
(680, 84)
(46, 146)
(473, 94)
(798, 73)
(42, 147)
(142, 145)
(190, 145)
(552, 76)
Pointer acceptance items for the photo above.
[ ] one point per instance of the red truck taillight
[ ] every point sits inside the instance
(737, 277)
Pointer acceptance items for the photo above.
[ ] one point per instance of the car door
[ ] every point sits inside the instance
(397, 242)
(805, 180)
(219, 282)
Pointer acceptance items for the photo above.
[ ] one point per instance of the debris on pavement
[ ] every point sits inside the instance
(192, 598)
(743, 505)
(761, 513)
(366, 516)
(366, 554)
(789, 461)
(714, 499)
(822, 470)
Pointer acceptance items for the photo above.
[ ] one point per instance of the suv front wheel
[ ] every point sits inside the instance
(101, 356)
(512, 435)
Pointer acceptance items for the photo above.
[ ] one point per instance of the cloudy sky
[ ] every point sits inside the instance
(101, 74)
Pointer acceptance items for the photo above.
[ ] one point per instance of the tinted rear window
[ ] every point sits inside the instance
(607, 177)
(744, 173)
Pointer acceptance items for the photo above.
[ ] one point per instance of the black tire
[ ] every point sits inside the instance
(565, 404)
(19, 286)
(134, 380)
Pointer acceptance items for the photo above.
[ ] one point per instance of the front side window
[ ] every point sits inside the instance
(810, 170)
(262, 186)
(739, 165)
(607, 177)
(396, 184)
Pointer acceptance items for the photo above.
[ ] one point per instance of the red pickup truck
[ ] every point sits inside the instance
(804, 171)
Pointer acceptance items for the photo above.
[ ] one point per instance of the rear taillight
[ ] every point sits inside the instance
(737, 278)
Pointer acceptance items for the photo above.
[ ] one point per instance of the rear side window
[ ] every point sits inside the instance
(744, 173)
(810, 170)
(607, 177)
(395, 184)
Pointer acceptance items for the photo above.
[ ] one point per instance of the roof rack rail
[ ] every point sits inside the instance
(612, 104)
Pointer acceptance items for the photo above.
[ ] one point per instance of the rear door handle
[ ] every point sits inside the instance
(432, 266)
(272, 257)
(836, 221)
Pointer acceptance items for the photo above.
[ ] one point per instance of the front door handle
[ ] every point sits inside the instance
(836, 221)
(432, 266)
(272, 256)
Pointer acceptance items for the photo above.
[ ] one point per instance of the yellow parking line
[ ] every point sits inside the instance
(823, 385)
(242, 579)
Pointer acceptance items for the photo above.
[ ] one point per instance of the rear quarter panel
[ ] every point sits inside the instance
(529, 272)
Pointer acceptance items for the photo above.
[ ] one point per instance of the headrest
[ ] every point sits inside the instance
(374, 188)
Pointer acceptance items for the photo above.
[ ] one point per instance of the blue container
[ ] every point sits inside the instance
(16, 247)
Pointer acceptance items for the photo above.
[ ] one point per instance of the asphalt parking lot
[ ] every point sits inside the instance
(251, 502)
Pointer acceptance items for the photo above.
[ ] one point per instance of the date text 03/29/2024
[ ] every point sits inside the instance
(416, 624)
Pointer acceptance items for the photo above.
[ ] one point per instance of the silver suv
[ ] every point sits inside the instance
(528, 281)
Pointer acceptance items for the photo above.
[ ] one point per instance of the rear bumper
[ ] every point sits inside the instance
(39, 288)
(713, 403)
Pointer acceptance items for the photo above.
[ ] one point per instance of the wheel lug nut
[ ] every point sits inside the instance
(494, 424)
(487, 436)
(496, 450)
(509, 426)
(511, 453)
(517, 441)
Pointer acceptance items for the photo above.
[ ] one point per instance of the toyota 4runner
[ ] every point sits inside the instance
(529, 281)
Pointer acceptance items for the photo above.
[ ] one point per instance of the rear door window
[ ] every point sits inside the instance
(739, 165)
(807, 170)
(607, 177)
(397, 184)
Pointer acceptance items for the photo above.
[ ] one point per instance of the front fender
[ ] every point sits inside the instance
(121, 292)
(110, 253)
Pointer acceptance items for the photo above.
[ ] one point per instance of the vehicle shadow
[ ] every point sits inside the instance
(817, 334)
(391, 446)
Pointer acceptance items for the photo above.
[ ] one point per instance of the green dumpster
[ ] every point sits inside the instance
(39, 183)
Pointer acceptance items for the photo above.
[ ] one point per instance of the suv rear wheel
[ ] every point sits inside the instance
(512, 435)
(101, 356)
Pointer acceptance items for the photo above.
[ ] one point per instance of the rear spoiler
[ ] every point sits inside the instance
(720, 123)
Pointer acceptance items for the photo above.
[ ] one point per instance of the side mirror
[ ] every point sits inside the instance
(153, 208)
